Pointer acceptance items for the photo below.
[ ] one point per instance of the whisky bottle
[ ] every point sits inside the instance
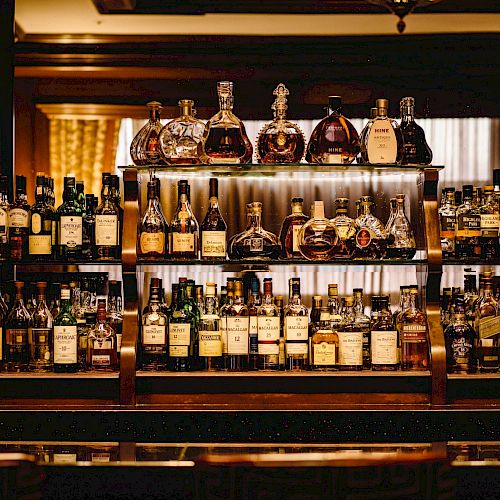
(490, 222)
(279, 302)
(289, 233)
(209, 332)
(19, 221)
(334, 139)
(40, 334)
(468, 227)
(416, 151)
(213, 228)
(346, 230)
(402, 241)
(107, 224)
(16, 354)
(102, 354)
(225, 305)
(384, 339)
(70, 224)
(350, 339)
(269, 330)
(470, 294)
(65, 335)
(4, 219)
(253, 303)
(280, 141)
(324, 344)
(41, 217)
(296, 331)
(184, 227)
(224, 138)
(145, 148)
(88, 228)
(237, 324)
(334, 306)
(447, 222)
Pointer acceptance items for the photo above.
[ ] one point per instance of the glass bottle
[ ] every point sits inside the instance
(255, 242)
(416, 151)
(290, 230)
(383, 141)
(179, 138)
(237, 324)
(224, 138)
(280, 141)
(145, 147)
(107, 225)
(334, 306)
(70, 226)
(269, 330)
(296, 330)
(65, 335)
(350, 339)
(468, 227)
(114, 313)
(384, 339)
(446, 302)
(346, 230)
(102, 354)
(253, 303)
(223, 313)
(334, 139)
(80, 195)
(460, 341)
(88, 228)
(16, 346)
(470, 294)
(362, 322)
(184, 227)
(19, 221)
(279, 302)
(209, 332)
(318, 237)
(402, 243)
(213, 228)
(447, 223)
(41, 334)
(41, 216)
(4, 218)
(490, 221)
(114, 192)
(324, 344)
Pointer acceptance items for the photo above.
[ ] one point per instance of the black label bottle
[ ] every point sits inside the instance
(70, 223)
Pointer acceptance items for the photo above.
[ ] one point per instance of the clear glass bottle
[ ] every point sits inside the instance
(269, 330)
(318, 236)
(70, 224)
(145, 147)
(324, 344)
(447, 223)
(19, 221)
(362, 322)
(224, 138)
(213, 228)
(490, 222)
(102, 354)
(107, 224)
(334, 306)
(209, 332)
(416, 151)
(346, 230)
(384, 339)
(237, 324)
(400, 233)
(41, 334)
(290, 230)
(468, 227)
(4, 218)
(41, 217)
(334, 139)
(280, 141)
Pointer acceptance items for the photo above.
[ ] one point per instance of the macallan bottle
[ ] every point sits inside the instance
(102, 355)
(19, 221)
(269, 330)
(209, 332)
(237, 323)
(4, 219)
(324, 344)
(41, 216)
(289, 233)
(213, 228)
(70, 227)
(41, 334)
(253, 303)
(296, 331)
(107, 224)
(384, 339)
(145, 147)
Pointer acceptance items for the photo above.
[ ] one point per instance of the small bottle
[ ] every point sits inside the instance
(145, 148)
(70, 226)
(346, 230)
(107, 224)
(289, 233)
(269, 330)
(213, 228)
(296, 331)
(41, 217)
(402, 241)
(19, 221)
(102, 355)
(490, 221)
(384, 339)
(4, 219)
(209, 332)
(237, 324)
(447, 222)
(468, 228)
(41, 334)
(324, 344)
(350, 339)
(334, 139)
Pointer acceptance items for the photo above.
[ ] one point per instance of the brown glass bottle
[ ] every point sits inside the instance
(213, 228)
(4, 219)
(269, 330)
(289, 233)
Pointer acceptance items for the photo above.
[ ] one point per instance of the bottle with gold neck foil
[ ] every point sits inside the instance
(145, 147)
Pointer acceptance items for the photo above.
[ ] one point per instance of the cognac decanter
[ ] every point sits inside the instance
(403, 245)
(145, 148)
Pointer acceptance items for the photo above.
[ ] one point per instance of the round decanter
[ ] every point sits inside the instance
(145, 148)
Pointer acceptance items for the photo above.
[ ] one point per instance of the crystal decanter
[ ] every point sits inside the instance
(280, 141)
(224, 138)
(346, 229)
(145, 148)
(402, 245)
(179, 138)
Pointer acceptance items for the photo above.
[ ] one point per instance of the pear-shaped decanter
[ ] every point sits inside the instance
(402, 243)
(346, 229)
(280, 141)
(224, 138)
(179, 138)
(145, 147)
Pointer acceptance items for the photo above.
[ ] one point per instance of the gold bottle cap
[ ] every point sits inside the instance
(254, 208)
(488, 189)
(154, 105)
(333, 289)
(349, 300)
(211, 290)
(382, 103)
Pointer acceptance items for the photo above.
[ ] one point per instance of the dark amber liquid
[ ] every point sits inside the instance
(225, 143)
(281, 148)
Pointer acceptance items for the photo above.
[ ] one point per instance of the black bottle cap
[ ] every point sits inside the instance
(114, 181)
(496, 177)
(335, 102)
(182, 187)
(20, 182)
(467, 190)
(79, 186)
(106, 176)
(298, 199)
(214, 187)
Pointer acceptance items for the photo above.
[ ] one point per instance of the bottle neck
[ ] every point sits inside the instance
(210, 305)
(256, 220)
(297, 208)
(358, 304)
(407, 113)
(21, 196)
(226, 102)
(365, 209)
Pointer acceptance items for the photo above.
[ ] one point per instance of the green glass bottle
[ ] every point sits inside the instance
(65, 336)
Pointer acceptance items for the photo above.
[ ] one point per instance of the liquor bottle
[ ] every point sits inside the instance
(413, 335)
(460, 340)
(334, 139)
(279, 302)
(490, 222)
(223, 296)
(145, 148)
(318, 236)
(280, 141)
(16, 354)
(114, 186)
(224, 138)
(346, 230)
(458, 198)
(363, 321)
(446, 303)
(70, 227)
(351, 335)
(255, 242)
(213, 228)
(40, 334)
(88, 228)
(65, 335)
(114, 312)
(402, 243)
(296, 331)
(179, 138)
(41, 216)
(447, 222)
(4, 218)
(237, 325)
(154, 334)
(253, 304)
(468, 228)
(384, 339)
(383, 141)
(269, 330)
(289, 233)
(334, 307)
(107, 225)
(200, 301)
(102, 355)
(324, 344)
(470, 294)
(80, 195)
(184, 227)
(416, 151)
(209, 332)
(19, 221)
(223, 318)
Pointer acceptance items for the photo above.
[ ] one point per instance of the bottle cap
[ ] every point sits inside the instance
(407, 101)
(211, 290)
(382, 103)
(297, 200)
(496, 176)
(154, 105)
(335, 102)
(21, 182)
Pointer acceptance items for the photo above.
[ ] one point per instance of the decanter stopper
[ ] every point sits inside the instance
(279, 105)
(225, 92)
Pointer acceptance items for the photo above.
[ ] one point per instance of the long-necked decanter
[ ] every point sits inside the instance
(280, 141)
(346, 230)
(224, 138)
(179, 138)
(145, 147)
(402, 244)
(334, 139)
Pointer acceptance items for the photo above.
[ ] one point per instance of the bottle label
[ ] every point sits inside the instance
(213, 243)
(350, 348)
(106, 230)
(3, 222)
(179, 334)
(101, 360)
(364, 237)
(152, 242)
(489, 327)
(332, 157)
(210, 343)
(237, 335)
(153, 335)
(254, 244)
(295, 237)
(268, 334)
(41, 337)
(54, 232)
(382, 144)
(118, 342)
(16, 336)
(178, 351)
(65, 458)
(65, 344)
(489, 225)
(100, 457)
(182, 242)
(461, 350)
(468, 225)
(414, 333)
(297, 334)
(324, 354)
(222, 160)
(18, 217)
(223, 331)
(253, 334)
(448, 223)
(384, 347)
(70, 231)
(36, 223)
(40, 244)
